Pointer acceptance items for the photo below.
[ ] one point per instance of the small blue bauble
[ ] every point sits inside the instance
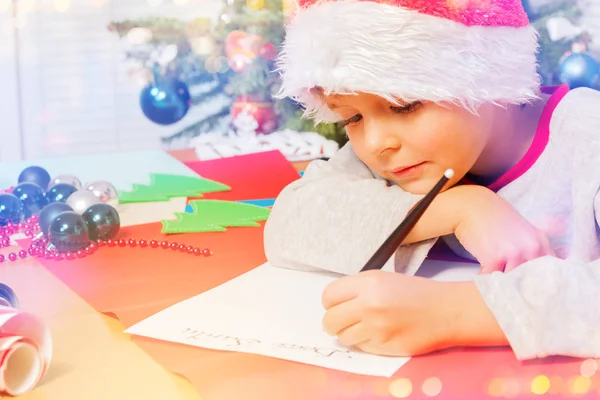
(103, 221)
(11, 209)
(68, 232)
(166, 102)
(579, 70)
(49, 213)
(31, 196)
(37, 175)
(60, 192)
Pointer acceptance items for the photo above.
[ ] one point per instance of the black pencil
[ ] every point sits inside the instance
(388, 248)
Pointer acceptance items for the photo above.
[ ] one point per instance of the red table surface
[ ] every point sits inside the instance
(134, 283)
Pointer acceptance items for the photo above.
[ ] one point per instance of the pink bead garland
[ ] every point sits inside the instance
(28, 227)
(38, 247)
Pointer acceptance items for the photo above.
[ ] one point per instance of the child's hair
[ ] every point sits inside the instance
(438, 50)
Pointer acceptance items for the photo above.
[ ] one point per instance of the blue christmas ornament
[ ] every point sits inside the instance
(579, 70)
(68, 232)
(165, 101)
(49, 213)
(31, 196)
(37, 175)
(60, 192)
(102, 220)
(11, 209)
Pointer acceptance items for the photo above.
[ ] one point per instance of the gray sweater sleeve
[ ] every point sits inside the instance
(336, 216)
(547, 307)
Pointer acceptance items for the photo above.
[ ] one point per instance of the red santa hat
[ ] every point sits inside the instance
(465, 52)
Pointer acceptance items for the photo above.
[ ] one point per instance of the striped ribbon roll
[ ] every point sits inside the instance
(25, 351)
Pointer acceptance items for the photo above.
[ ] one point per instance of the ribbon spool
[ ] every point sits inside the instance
(25, 351)
(22, 366)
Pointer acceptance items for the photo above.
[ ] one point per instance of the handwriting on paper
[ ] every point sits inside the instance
(275, 312)
(191, 334)
(232, 342)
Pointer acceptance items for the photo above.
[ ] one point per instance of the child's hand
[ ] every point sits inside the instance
(387, 313)
(498, 236)
(391, 314)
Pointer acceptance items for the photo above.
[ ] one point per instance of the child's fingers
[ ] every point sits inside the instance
(340, 290)
(353, 335)
(341, 316)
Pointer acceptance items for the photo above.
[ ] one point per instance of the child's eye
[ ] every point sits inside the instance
(407, 108)
(352, 120)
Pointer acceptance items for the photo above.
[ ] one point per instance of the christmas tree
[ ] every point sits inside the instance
(237, 74)
(216, 216)
(557, 22)
(148, 39)
(163, 187)
(249, 34)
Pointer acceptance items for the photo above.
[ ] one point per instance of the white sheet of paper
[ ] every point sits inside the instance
(145, 213)
(274, 312)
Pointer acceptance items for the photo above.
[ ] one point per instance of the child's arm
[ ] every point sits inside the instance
(547, 306)
(336, 216)
(339, 213)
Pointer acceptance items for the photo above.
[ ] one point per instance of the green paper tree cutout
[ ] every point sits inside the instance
(215, 216)
(163, 187)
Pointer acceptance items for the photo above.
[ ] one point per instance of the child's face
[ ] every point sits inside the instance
(414, 144)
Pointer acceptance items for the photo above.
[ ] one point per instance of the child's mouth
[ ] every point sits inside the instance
(410, 171)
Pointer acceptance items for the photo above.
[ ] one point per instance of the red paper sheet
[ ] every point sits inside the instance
(251, 177)
(134, 283)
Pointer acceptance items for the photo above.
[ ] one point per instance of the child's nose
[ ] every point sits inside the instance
(379, 137)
